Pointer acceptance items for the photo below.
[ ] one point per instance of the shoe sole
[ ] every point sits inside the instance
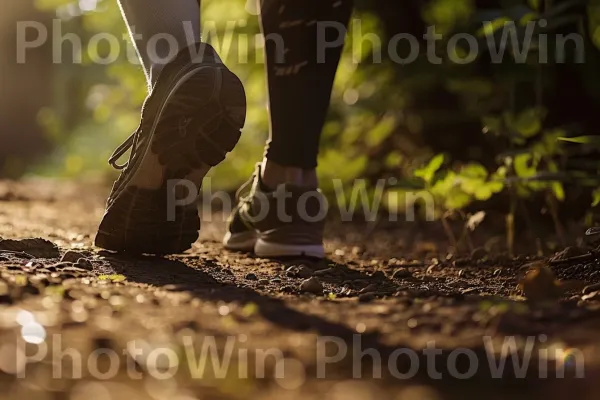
(249, 242)
(190, 134)
(266, 249)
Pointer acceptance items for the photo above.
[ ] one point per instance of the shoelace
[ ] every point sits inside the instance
(246, 185)
(129, 144)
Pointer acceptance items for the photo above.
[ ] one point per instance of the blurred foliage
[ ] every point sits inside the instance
(465, 132)
(112, 94)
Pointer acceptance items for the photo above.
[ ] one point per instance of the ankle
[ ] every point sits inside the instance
(274, 174)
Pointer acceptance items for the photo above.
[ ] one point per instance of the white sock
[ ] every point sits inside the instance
(159, 29)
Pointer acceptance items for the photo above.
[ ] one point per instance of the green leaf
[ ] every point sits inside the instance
(492, 26)
(558, 190)
(524, 166)
(457, 200)
(596, 197)
(528, 123)
(474, 170)
(534, 4)
(594, 140)
(427, 172)
(484, 192)
(381, 131)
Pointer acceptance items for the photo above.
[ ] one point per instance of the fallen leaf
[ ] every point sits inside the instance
(475, 219)
(37, 247)
(540, 285)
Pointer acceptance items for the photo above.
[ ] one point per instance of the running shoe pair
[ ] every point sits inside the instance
(191, 119)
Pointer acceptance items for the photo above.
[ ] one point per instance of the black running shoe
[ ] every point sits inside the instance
(190, 121)
(285, 222)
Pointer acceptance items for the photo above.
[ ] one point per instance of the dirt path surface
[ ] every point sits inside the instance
(79, 323)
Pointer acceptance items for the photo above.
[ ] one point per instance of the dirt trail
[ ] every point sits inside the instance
(211, 324)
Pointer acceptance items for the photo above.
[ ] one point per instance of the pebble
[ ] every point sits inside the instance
(251, 277)
(84, 263)
(312, 285)
(71, 256)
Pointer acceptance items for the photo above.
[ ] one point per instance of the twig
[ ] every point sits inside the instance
(449, 232)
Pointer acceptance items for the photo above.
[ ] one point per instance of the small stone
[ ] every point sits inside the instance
(251, 277)
(591, 288)
(71, 256)
(84, 263)
(304, 272)
(263, 281)
(402, 273)
(479, 253)
(286, 289)
(312, 285)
